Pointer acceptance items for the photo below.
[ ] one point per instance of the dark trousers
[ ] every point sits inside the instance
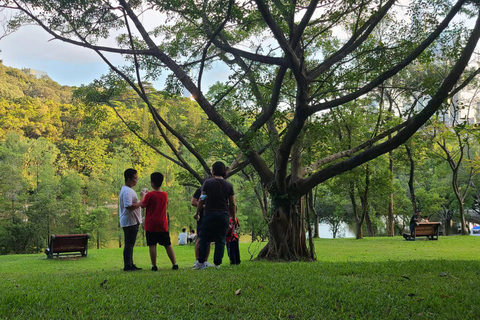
(233, 252)
(214, 229)
(130, 234)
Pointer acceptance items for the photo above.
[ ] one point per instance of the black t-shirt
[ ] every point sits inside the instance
(218, 193)
(414, 219)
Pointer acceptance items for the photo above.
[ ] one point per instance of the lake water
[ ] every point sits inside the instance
(345, 231)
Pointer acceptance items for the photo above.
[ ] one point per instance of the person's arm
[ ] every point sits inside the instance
(233, 208)
(200, 204)
(128, 202)
(143, 193)
(194, 202)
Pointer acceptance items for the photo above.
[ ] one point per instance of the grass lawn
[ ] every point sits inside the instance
(374, 278)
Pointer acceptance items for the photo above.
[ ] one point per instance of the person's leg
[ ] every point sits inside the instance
(208, 251)
(228, 252)
(171, 254)
(197, 246)
(153, 254)
(221, 227)
(235, 252)
(130, 234)
(205, 238)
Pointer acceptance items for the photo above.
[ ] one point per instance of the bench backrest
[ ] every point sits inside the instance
(69, 243)
(425, 230)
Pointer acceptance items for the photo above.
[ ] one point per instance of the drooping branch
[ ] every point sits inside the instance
(178, 163)
(87, 45)
(213, 115)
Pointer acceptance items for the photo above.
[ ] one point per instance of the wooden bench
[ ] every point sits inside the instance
(424, 229)
(69, 244)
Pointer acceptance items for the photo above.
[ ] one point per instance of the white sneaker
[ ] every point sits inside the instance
(200, 266)
(208, 264)
(195, 264)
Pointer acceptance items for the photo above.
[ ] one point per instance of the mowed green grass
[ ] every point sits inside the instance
(373, 278)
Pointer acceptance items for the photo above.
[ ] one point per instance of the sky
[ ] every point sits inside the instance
(31, 47)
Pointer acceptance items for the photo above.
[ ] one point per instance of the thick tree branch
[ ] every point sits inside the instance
(300, 29)
(412, 126)
(251, 56)
(213, 115)
(355, 41)
(393, 71)
(278, 34)
(212, 37)
(352, 151)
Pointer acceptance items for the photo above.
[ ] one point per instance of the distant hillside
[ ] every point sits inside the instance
(14, 84)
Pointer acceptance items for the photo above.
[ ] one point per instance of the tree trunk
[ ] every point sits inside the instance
(463, 222)
(287, 236)
(358, 217)
(391, 218)
(368, 223)
(411, 178)
(309, 224)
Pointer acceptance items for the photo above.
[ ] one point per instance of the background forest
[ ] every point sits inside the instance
(62, 161)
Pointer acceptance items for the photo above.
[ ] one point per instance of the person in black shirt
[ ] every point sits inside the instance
(219, 199)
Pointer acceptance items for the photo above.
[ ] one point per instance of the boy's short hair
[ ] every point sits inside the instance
(219, 169)
(129, 173)
(183, 230)
(157, 179)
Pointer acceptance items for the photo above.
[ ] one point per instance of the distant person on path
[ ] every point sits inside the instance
(130, 216)
(156, 224)
(233, 241)
(182, 237)
(219, 198)
(413, 224)
(199, 217)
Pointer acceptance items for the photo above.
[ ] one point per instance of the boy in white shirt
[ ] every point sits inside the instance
(130, 215)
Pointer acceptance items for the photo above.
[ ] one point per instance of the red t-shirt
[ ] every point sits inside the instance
(155, 203)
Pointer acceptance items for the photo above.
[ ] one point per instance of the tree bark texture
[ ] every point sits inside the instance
(391, 217)
(287, 235)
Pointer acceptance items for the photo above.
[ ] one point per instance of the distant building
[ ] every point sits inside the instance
(36, 73)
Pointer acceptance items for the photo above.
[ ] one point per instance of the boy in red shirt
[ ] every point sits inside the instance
(156, 225)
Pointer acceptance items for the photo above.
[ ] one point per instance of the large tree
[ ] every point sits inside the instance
(289, 61)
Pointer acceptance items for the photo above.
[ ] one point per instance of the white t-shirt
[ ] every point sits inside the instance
(128, 217)
(182, 238)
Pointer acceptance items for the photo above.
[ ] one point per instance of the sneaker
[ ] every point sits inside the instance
(131, 268)
(135, 267)
(200, 266)
(175, 267)
(154, 268)
(207, 264)
(195, 264)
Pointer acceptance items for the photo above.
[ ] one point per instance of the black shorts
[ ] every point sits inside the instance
(162, 238)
